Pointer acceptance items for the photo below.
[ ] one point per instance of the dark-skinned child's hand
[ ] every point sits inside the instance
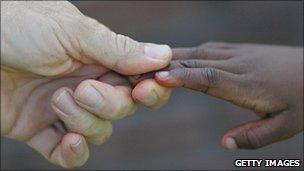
(264, 78)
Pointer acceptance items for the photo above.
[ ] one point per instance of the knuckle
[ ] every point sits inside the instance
(282, 124)
(58, 92)
(188, 63)
(92, 26)
(196, 52)
(118, 113)
(123, 48)
(82, 85)
(252, 139)
(202, 51)
(82, 125)
(185, 73)
(121, 111)
(211, 75)
(125, 45)
(100, 133)
(243, 66)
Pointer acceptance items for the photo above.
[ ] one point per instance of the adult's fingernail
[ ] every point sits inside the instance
(90, 96)
(151, 98)
(162, 74)
(231, 144)
(157, 51)
(65, 103)
(78, 146)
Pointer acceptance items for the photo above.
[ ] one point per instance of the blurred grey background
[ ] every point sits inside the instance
(185, 133)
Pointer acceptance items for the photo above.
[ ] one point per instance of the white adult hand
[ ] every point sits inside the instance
(58, 64)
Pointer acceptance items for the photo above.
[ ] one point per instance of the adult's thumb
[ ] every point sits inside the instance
(121, 53)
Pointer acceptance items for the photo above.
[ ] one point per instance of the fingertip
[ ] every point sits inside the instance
(229, 143)
(75, 150)
(159, 52)
(151, 94)
(72, 144)
(77, 146)
(166, 79)
(101, 132)
(140, 91)
(145, 58)
(163, 75)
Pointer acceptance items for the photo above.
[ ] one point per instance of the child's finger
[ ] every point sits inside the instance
(228, 65)
(196, 57)
(211, 81)
(202, 52)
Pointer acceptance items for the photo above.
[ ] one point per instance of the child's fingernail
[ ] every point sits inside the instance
(231, 144)
(163, 74)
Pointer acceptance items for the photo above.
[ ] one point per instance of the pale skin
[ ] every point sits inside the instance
(267, 79)
(58, 65)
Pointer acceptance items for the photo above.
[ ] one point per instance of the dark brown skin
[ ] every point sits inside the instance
(267, 79)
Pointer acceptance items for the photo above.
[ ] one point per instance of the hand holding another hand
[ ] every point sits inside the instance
(58, 65)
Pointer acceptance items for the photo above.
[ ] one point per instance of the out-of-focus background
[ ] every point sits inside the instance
(185, 133)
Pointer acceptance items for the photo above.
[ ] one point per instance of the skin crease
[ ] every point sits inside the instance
(267, 79)
(60, 67)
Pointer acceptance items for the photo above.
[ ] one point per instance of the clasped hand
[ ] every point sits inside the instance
(60, 67)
